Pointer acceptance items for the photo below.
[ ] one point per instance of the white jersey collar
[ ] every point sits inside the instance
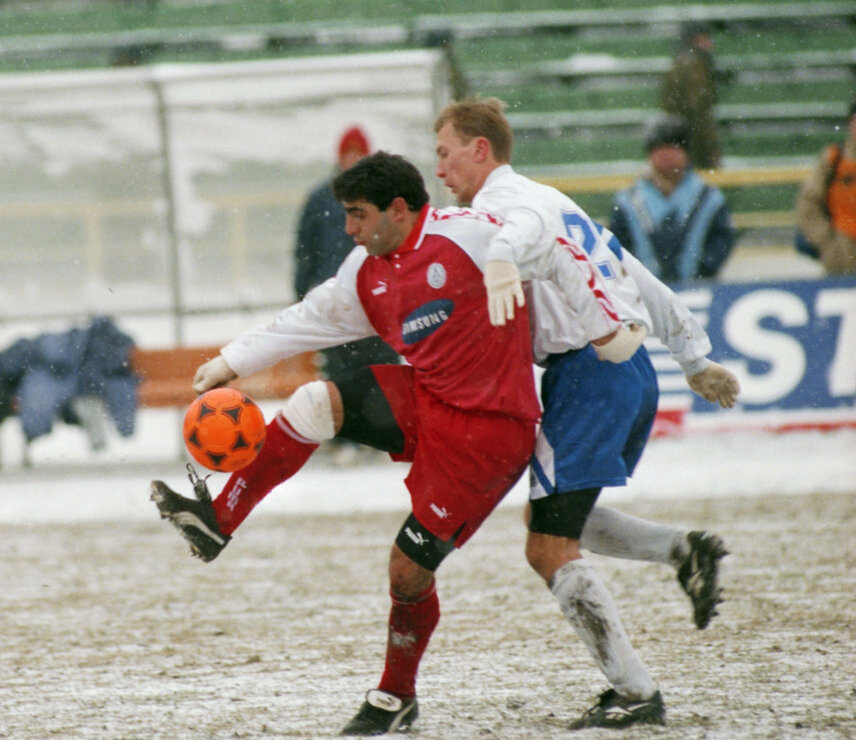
(496, 174)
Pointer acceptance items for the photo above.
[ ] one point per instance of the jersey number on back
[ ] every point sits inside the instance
(582, 231)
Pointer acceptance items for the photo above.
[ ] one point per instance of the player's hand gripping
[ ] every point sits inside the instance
(212, 374)
(504, 289)
(716, 384)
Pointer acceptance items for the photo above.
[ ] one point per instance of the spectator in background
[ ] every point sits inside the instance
(322, 243)
(690, 91)
(322, 246)
(677, 225)
(826, 205)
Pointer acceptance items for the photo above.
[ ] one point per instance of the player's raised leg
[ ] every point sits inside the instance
(310, 416)
(695, 555)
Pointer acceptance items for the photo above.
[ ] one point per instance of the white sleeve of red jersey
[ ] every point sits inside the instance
(673, 323)
(329, 315)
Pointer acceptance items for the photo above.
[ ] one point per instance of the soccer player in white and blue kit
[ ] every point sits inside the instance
(597, 415)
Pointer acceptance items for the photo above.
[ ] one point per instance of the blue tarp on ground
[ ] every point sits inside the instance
(40, 378)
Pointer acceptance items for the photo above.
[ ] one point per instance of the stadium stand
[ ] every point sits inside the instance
(594, 66)
(581, 83)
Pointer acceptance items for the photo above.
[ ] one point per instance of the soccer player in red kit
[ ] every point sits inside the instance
(463, 410)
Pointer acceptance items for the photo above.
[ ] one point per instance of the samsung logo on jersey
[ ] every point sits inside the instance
(425, 320)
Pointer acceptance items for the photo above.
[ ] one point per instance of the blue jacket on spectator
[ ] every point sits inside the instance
(682, 236)
(322, 243)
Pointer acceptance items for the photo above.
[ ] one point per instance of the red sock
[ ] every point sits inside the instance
(410, 626)
(283, 454)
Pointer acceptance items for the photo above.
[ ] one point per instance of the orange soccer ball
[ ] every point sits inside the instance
(224, 429)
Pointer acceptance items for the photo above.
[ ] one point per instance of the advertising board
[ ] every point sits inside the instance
(792, 344)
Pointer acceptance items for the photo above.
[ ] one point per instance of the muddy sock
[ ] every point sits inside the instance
(591, 611)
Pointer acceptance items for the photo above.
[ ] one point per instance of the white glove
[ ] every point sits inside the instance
(716, 384)
(622, 345)
(502, 280)
(212, 374)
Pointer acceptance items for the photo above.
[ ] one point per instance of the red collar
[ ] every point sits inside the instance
(414, 238)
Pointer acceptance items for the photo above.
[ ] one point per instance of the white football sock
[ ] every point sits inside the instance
(591, 611)
(619, 535)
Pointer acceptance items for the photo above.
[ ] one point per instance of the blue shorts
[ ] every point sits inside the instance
(596, 421)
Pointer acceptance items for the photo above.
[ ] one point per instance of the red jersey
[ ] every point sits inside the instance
(428, 301)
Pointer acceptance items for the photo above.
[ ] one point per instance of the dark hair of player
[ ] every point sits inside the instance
(379, 179)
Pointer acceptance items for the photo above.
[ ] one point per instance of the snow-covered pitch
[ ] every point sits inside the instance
(111, 630)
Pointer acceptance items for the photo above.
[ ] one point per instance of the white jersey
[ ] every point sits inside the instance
(554, 242)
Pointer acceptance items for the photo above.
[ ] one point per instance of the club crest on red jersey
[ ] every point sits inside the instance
(436, 275)
(425, 320)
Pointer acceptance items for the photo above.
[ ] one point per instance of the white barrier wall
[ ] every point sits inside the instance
(176, 189)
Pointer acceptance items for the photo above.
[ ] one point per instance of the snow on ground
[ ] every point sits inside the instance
(69, 483)
(115, 632)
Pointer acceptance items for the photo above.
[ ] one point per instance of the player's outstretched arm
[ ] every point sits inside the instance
(212, 374)
(716, 384)
(504, 289)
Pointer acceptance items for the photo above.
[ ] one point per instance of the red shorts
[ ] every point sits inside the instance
(463, 462)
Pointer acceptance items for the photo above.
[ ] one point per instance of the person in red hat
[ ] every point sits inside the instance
(353, 146)
(322, 246)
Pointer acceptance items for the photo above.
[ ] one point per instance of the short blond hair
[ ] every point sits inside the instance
(476, 117)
